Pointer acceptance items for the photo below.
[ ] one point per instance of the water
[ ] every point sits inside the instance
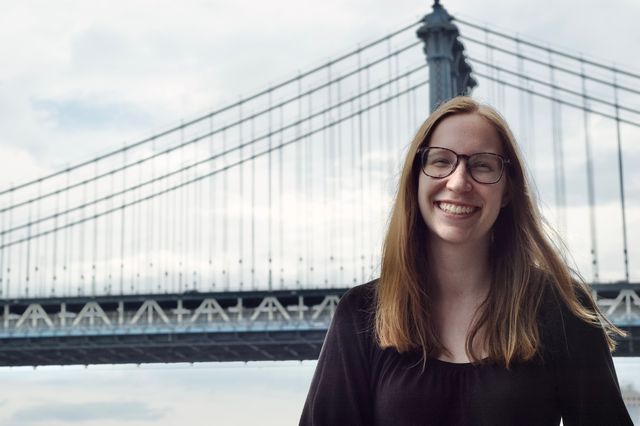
(233, 394)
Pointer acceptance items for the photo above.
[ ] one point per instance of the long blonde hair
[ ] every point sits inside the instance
(523, 262)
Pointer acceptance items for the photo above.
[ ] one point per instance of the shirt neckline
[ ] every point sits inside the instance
(450, 364)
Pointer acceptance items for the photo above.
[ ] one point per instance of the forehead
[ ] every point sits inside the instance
(466, 134)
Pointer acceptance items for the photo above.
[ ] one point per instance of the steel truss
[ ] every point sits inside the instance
(192, 327)
(188, 327)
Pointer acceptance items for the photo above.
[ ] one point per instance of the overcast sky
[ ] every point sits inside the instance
(81, 77)
(78, 78)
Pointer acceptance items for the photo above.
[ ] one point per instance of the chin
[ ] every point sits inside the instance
(452, 237)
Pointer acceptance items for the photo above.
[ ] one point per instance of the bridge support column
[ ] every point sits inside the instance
(449, 72)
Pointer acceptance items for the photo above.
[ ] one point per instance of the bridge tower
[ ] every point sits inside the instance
(449, 72)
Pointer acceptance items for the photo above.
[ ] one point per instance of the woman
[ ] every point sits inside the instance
(476, 318)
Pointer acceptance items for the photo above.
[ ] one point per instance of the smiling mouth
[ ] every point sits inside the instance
(455, 208)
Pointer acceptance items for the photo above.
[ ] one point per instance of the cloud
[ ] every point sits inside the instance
(91, 112)
(18, 165)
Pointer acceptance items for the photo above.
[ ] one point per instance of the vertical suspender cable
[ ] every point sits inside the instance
(3, 292)
(326, 233)
(198, 234)
(212, 223)
(590, 179)
(109, 241)
(354, 168)
(7, 277)
(280, 200)
(225, 211)
(122, 223)
(81, 238)
(385, 156)
(133, 238)
(67, 243)
(398, 101)
(10, 249)
(492, 72)
(38, 281)
(54, 253)
(181, 224)
(309, 234)
(134, 233)
(169, 230)
(501, 94)
(151, 251)
(621, 178)
(140, 230)
(28, 252)
(299, 190)
(188, 207)
(269, 195)
(334, 222)
(414, 109)
(370, 233)
(532, 132)
(522, 101)
(253, 207)
(240, 199)
(558, 160)
(341, 187)
(407, 79)
(130, 233)
(391, 149)
(94, 260)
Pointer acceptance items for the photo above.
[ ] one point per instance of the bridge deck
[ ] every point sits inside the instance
(192, 327)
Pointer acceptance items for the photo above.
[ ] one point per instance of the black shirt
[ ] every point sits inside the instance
(358, 383)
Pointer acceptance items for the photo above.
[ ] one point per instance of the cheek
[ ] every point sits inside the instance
(423, 196)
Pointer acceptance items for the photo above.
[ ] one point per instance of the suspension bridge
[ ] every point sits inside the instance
(232, 235)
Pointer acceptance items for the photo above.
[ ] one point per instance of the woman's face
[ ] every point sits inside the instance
(457, 209)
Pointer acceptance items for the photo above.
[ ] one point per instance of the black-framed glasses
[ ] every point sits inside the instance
(483, 167)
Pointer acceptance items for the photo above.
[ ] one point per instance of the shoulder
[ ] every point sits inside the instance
(340, 391)
(360, 297)
(553, 307)
(356, 309)
(562, 331)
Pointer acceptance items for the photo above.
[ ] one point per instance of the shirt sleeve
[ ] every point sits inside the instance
(340, 392)
(588, 386)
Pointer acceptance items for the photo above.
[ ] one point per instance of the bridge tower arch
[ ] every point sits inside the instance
(449, 71)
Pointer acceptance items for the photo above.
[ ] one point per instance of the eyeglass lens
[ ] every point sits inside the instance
(441, 162)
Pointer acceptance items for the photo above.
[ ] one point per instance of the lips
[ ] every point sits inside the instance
(456, 209)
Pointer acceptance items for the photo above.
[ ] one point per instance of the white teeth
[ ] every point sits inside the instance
(456, 209)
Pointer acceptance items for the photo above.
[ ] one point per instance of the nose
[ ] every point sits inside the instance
(459, 180)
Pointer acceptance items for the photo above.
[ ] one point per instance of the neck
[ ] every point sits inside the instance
(460, 271)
